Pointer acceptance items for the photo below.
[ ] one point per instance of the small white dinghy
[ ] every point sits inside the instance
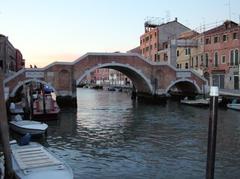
(195, 102)
(234, 105)
(33, 161)
(21, 126)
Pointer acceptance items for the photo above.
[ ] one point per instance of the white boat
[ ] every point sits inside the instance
(27, 126)
(234, 105)
(196, 102)
(33, 161)
(199, 101)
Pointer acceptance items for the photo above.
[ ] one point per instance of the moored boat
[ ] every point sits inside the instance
(27, 126)
(45, 108)
(196, 102)
(33, 161)
(234, 105)
(199, 101)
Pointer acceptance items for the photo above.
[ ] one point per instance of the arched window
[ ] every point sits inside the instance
(236, 57)
(216, 59)
(231, 57)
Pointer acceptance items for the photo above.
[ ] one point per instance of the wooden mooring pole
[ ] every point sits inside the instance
(4, 131)
(212, 132)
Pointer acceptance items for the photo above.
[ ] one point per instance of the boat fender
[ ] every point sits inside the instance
(18, 118)
(25, 139)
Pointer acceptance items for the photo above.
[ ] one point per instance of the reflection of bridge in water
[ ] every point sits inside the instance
(148, 77)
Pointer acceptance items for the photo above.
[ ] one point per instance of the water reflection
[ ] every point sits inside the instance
(109, 136)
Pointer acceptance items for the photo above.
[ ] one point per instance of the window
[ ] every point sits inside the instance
(234, 35)
(207, 41)
(141, 42)
(223, 59)
(155, 45)
(231, 57)
(150, 36)
(206, 56)
(216, 39)
(150, 47)
(177, 65)
(196, 61)
(192, 61)
(216, 59)
(147, 38)
(155, 34)
(177, 53)
(187, 51)
(236, 57)
(186, 65)
(201, 58)
(224, 38)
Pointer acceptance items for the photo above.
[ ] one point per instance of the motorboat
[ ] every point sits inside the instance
(23, 127)
(234, 105)
(198, 101)
(45, 108)
(34, 161)
(195, 102)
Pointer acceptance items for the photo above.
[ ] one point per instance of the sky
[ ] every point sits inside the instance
(63, 30)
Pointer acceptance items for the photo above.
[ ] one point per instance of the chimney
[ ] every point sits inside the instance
(176, 19)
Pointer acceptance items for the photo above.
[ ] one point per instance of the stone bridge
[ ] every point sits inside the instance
(148, 77)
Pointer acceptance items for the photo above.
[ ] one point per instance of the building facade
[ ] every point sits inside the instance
(214, 54)
(10, 58)
(20, 62)
(155, 42)
(221, 48)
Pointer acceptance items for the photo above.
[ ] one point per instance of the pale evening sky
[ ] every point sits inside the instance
(63, 30)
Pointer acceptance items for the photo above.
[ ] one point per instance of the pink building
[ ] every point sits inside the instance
(221, 49)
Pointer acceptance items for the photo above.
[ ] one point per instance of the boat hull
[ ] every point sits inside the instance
(46, 116)
(32, 129)
(198, 103)
(234, 106)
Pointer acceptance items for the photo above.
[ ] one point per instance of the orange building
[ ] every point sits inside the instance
(154, 43)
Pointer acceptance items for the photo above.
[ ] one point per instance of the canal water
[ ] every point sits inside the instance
(110, 136)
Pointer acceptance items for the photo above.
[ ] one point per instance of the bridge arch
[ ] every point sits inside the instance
(140, 81)
(184, 82)
(21, 83)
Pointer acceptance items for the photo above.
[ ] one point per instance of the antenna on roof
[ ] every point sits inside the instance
(229, 9)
